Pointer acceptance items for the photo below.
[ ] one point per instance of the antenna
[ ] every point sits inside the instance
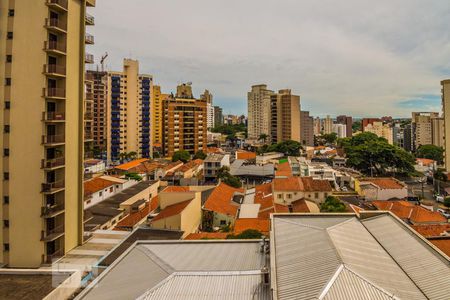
(102, 60)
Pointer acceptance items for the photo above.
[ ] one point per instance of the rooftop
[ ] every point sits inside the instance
(385, 183)
(262, 225)
(302, 184)
(172, 210)
(132, 164)
(283, 170)
(97, 184)
(410, 212)
(220, 200)
(214, 157)
(239, 168)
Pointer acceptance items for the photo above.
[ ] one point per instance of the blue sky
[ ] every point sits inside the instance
(358, 57)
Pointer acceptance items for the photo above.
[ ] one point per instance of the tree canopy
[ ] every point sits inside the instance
(431, 152)
(447, 202)
(289, 148)
(200, 155)
(332, 204)
(326, 139)
(182, 155)
(246, 234)
(133, 176)
(224, 175)
(373, 155)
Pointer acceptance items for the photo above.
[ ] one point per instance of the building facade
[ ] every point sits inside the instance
(218, 116)
(42, 86)
(158, 99)
(328, 125)
(129, 111)
(184, 125)
(446, 112)
(437, 132)
(367, 121)
(340, 130)
(259, 111)
(422, 128)
(348, 122)
(97, 93)
(306, 129)
(285, 116)
(317, 126)
(381, 130)
(208, 97)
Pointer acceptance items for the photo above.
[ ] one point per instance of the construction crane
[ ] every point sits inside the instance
(102, 60)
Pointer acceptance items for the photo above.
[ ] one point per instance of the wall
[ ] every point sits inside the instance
(192, 215)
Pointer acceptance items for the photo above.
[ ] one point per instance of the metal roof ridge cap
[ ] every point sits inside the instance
(217, 273)
(331, 281)
(157, 286)
(156, 259)
(301, 224)
(342, 223)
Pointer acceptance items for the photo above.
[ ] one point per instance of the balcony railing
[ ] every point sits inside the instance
(53, 139)
(55, 46)
(53, 234)
(90, 20)
(53, 116)
(53, 163)
(62, 4)
(89, 96)
(50, 258)
(89, 38)
(56, 23)
(55, 93)
(55, 69)
(48, 211)
(88, 136)
(89, 116)
(52, 186)
(89, 59)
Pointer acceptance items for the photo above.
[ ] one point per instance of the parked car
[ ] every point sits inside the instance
(440, 199)
(444, 213)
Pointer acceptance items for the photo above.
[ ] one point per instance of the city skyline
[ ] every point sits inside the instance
(317, 50)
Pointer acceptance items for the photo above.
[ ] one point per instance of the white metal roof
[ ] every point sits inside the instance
(249, 210)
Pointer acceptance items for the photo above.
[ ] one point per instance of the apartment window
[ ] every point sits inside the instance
(6, 128)
(5, 175)
(9, 35)
(8, 58)
(100, 194)
(5, 247)
(316, 195)
(6, 223)
(11, 13)
(8, 81)
(5, 199)
(279, 196)
(5, 151)
(7, 104)
(289, 196)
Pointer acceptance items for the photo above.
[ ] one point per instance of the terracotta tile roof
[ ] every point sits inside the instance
(301, 184)
(172, 165)
(264, 196)
(283, 169)
(207, 235)
(312, 185)
(408, 211)
(245, 155)
(331, 152)
(96, 184)
(300, 206)
(176, 189)
(214, 150)
(220, 200)
(385, 183)
(262, 225)
(442, 244)
(154, 203)
(172, 210)
(425, 161)
(190, 165)
(132, 164)
(432, 230)
(134, 218)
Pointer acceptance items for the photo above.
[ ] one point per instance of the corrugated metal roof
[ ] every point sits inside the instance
(210, 285)
(429, 270)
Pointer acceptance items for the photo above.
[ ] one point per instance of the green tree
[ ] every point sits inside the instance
(182, 155)
(332, 204)
(431, 152)
(263, 137)
(330, 138)
(131, 155)
(200, 155)
(356, 126)
(447, 202)
(246, 234)
(133, 176)
(233, 181)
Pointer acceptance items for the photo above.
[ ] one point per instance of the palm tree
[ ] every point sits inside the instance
(263, 137)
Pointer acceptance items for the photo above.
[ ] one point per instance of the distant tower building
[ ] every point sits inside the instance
(317, 126)
(218, 116)
(446, 107)
(208, 97)
(129, 112)
(259, 111)
(381, 130)
(408, 138)
(184, 124)
(437, 132)
(422, 128)
(328, 125)
(306, 129)
(285, 116)
(340, 130)
(157, 115)
(367, 121)
(348, 122)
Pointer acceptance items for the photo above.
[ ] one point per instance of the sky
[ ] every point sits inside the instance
(355, 57)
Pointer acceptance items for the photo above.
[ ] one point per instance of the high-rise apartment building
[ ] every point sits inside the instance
(96, 91)
(285, 116)
(129, 112)
(446, 112)
(42, 88)
(184, 124)
(423, 128)
(208, 97)
(381, 130)
(317, 126)
(348, 122)
(340, 130)
(158, 99)
(259, 111)
(218, 116)
(306, 129)
(328, 125)
(437, 132)
(367, 121)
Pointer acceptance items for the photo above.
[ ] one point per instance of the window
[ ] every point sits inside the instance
(8, 58)
(11, 13)
(7, 81)
(6, 128)
(6, 223)
(5, 199)
(5, 175)
(289, 196)
(111, 189)
(7, 104)
(6, 152)
(223, 222)
(100, 194)
(316, 195)
(9, 35)
(5, 247)
(279, 196)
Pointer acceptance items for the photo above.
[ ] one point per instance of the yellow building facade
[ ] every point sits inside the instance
(157, 114)
(42, 88)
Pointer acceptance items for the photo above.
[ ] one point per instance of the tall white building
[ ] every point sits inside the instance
(259, 111)
(208, 97)
(340, 130)
(328, 125)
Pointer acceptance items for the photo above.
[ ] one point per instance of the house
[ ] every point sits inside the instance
(129, 166)
(222, 205)
(269, 157)
(190, 169)
(425, 165)
(410, 213)
(437, 234)
(288, 190)
(283, 170)
(180, 209)
(380, 188)
(98, 189)
(262, 225)
(212, 164)
(251, 173)
(94, 166)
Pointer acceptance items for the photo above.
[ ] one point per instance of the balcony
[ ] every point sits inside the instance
(54, 163)
(53, 116)
(55, 47)
(88, 116)
(52, 211)
(55, 93)
(56, 25)
(90, 20)
(88, 58)
(89, 39)
(55, 70)
(53, 234)
(60, 5)
(50, 258)
(53, 187)
(89, 96)
(53, 140)
(88, 136)
(88, 155)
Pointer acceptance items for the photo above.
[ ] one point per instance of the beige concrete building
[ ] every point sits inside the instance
(422, 126)
(259, 111)
(437, 132)
(446, 110)
(42, 85)
(328, 125)
(381, 130)
(306, 129)
(285, 116)
(128, 121)
(157, 116)
(208, 97)
(99, 112)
